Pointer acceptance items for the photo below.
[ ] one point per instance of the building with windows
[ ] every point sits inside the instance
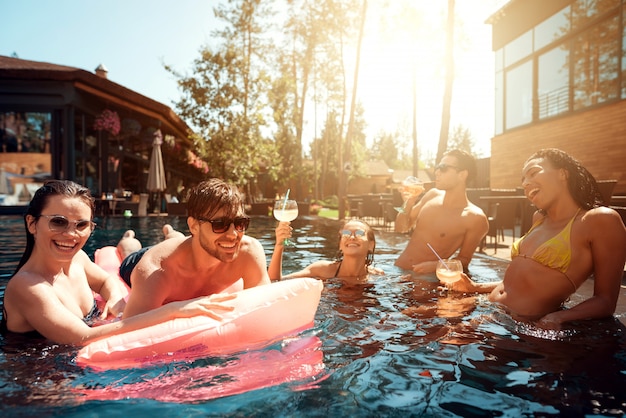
(67, 123)
(560, 68)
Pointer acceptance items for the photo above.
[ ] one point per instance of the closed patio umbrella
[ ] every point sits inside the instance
(4, 182)
(156, 173)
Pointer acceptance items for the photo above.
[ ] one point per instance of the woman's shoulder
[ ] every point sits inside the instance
(603, 220)
(602, 214)
(324, 268)
(26, 282)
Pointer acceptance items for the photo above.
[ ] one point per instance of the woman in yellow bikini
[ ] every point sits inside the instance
(572, 238)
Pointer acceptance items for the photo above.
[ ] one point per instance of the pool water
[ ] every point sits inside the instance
(392, 346)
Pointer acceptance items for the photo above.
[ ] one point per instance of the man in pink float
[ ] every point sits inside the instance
(211, 260)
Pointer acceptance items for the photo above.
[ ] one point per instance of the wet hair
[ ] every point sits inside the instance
(369, 232)
(580, 182)
(465, 161)
(38, 203)
(208, 197)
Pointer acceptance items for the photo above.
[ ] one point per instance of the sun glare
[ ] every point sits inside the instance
(403, 49)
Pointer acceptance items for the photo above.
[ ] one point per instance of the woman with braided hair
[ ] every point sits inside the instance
(572, 238)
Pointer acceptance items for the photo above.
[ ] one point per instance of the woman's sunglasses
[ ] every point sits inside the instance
(221, 225)
(60, 224)
(357, 233)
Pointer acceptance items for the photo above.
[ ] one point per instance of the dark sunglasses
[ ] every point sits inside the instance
(357, 233)
(221, 225)
(60, 224)
(445, 167)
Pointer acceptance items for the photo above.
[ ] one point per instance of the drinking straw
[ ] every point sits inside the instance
(440, 259)
(286, 197)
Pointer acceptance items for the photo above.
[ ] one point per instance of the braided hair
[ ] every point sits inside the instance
(580, 182)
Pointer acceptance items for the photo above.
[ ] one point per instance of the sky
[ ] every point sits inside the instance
(134, 39)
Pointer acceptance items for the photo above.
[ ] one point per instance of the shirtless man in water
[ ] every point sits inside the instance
(212, 259)
(572, 238)
(443, 218)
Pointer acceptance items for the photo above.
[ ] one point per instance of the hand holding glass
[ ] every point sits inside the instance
(449, 271)
(411, 187)
(286, 211)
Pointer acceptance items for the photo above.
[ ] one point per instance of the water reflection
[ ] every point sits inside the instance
(388, 346)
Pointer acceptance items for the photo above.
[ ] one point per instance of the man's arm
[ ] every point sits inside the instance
(149, 290)
(405, 220)
(254, 264)
(478, 228)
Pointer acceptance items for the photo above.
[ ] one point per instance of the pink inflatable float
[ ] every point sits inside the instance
(261, 316)
(297, 362)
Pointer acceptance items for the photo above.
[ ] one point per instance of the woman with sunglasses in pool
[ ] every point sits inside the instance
(213, 259)
(52, 290)
(357, 245)
(572, 238)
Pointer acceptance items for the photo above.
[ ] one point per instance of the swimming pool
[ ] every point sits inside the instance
(388, 347)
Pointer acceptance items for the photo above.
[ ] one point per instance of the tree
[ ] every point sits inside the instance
(461, 138)
(225, 97)
(311, 54)
(353, 103)
(386, 146)
(449, 81)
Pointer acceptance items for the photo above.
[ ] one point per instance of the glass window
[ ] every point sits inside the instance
(87, 154)
(596, 56)
(24, 154)
(552, 28)
(519, 95)
(25, 132)
(499, 64)
(518, 49)
(624, 53)
(553, 82)
(585, 10)
(499, 110)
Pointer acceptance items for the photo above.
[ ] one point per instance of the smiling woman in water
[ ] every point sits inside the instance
(52, 290)
(357, 245)
(572, 238)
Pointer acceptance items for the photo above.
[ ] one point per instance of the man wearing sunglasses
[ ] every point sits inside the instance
(443, 218)
(212, 260)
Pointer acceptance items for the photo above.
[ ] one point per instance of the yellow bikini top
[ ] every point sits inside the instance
(555, 253)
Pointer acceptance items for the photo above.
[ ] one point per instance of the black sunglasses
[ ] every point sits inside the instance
(60, 224)
(221, 225)
(445, 167)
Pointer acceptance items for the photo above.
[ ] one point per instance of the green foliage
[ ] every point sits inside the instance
(245, 96)
(222, 98)
(461, 138)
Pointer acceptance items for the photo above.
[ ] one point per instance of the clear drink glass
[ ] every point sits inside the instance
(286, 211)
(411, 187)
(449, 271)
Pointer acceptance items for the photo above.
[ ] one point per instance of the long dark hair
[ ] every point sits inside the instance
(39, 202)
(580, 182)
